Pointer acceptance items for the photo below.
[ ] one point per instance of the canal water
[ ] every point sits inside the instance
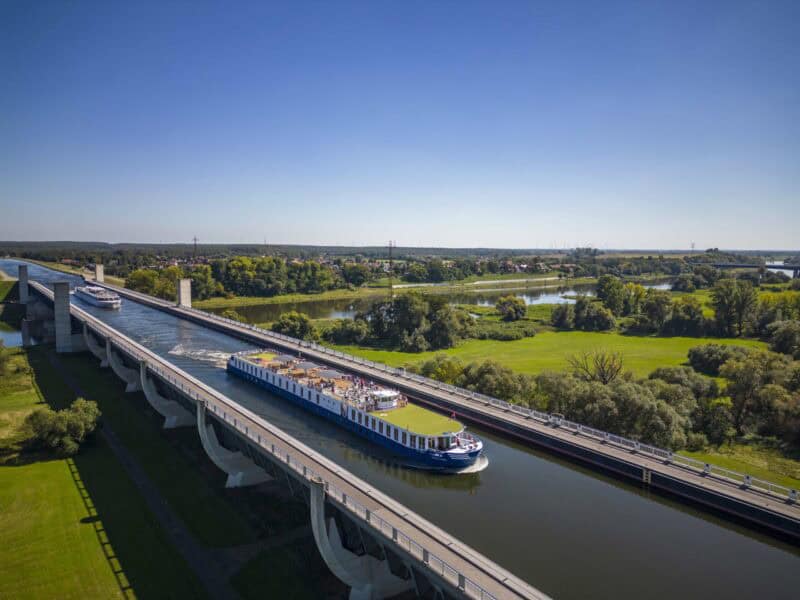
(348, 308)
(568, 531)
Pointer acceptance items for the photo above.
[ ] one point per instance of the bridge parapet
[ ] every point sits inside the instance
(437, 554)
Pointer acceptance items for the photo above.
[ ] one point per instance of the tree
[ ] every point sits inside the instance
(746, 379)
(611, 293)
(634, 298)
(356, 274)
(734, 301)
(592, 316)
(296, 325)
(442, 368)
(656, 307)
(563, 316)
(347, 331)
(687, 317)
(784, 337)
(142, 280)
(63, 431)
(511, 308)
(599, 365)
(708, 358)
(203, 284)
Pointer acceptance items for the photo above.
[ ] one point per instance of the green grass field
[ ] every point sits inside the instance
(418, 420)
(198, 501)
(74, 528)
(549, 350)
(756, 460)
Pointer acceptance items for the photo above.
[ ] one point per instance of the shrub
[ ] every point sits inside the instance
(511, 308)
(296, 325)
(708, 358)
(695, 441)
(504, 332)
(784, 337)
(63, 431)
(231, 314)
(347, 331)
(563, 316)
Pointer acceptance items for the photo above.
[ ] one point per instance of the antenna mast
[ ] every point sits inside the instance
(194, 253)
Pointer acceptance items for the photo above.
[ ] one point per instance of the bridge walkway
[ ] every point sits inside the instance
(456, 563)
(512, 422)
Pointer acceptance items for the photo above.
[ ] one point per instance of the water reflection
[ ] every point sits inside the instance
(347, 308)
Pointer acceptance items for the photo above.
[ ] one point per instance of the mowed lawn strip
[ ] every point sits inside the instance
(74, 528)
(418, 420)
(198, 502)
(550, 350)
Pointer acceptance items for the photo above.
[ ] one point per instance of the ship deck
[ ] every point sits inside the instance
(419, 420)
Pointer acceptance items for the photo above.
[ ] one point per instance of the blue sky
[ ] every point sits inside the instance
(504, 124)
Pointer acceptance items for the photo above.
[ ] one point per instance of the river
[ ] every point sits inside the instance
(348, 308)
(567, 530)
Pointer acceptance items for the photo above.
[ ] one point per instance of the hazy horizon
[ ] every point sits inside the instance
(503, 125)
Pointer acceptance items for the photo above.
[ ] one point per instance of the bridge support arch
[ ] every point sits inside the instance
(241, 470)
(129, 376)
(367, 577)
(95, 348)
(174, 414)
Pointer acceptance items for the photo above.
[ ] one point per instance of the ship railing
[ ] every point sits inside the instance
(667, 456)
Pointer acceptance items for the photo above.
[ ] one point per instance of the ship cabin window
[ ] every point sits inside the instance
(413, 441)
(372, 422)
(352, 415)
(359, 418)
(294, 388)
(403, 438)
(317, 398)
(394, 434)
(380, 427)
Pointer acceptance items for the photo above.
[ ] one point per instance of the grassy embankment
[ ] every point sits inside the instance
(65, 516)
(76, 527)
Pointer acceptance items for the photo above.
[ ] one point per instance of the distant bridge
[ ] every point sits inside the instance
(795, 269)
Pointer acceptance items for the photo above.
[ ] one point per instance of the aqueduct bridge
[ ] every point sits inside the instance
(622, 525)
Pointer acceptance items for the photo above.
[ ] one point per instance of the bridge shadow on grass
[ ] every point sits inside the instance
(136, 548)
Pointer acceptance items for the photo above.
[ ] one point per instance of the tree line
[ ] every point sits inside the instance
(674, 407)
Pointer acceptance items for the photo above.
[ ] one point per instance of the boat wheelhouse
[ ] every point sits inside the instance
(374, 411)
(98, 296)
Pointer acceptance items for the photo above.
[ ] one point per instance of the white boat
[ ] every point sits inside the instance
(98, 296)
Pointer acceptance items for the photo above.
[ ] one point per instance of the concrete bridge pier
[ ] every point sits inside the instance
(22, 277)
(66, 341)
(185, 293)
(99, 273)
(95, 348)
(129, 376)
(367, 577)
(174, 414)
(241, 470)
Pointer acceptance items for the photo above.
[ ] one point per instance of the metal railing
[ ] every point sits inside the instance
(742, 479)
(248, 424)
